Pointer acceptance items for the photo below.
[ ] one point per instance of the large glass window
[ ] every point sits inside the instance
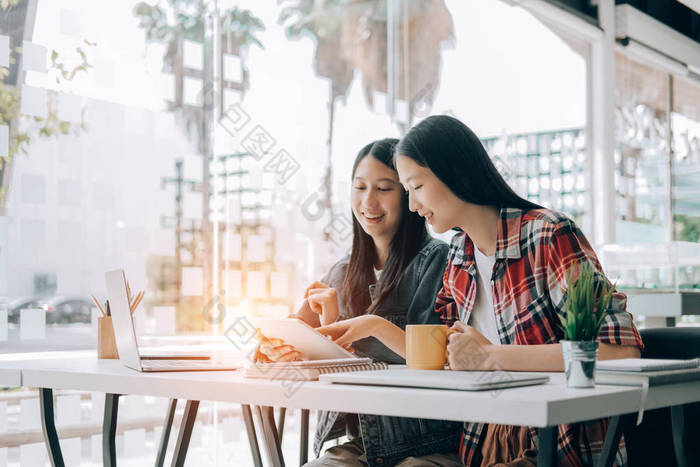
(240, 137)
(656, 179)
(642, 178)
(657, 153)
(205, 147)
(685, 122)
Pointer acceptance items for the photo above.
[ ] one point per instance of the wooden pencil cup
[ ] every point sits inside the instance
(106, 345)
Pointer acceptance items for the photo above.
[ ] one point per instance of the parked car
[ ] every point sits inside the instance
(59, 309)
(67, 309)
(14, 304)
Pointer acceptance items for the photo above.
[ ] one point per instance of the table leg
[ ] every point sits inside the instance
(304, 438)
(683, 457)
(183, 438)
(252, 438)
(547, 449)
(165, 436)
(266, 420)
(616, 428)
(109, 430)
(48, 427)
(280, 423)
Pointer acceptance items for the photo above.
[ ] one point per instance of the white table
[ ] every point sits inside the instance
(544, 406)
(11, 364)
(11, 377)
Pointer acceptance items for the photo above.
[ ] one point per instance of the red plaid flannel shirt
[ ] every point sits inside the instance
(534, 252)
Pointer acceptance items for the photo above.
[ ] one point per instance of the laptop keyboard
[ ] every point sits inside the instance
(184, 365)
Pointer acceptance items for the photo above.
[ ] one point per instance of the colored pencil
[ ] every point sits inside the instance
(98, 305)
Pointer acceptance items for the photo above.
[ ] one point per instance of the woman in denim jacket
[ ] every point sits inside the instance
(390, 278)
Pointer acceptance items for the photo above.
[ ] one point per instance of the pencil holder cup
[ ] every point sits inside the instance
(106, 345)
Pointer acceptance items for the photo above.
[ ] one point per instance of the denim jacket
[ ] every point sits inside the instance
(388, 440)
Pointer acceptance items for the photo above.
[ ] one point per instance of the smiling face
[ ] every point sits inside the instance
(428, 196)
(376, 198)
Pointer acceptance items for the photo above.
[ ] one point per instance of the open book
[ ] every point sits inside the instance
(309, 370)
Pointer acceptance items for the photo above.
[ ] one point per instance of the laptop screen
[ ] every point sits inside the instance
(121, 319)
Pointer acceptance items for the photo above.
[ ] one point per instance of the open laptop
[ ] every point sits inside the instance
(125, 336)
(456, 380)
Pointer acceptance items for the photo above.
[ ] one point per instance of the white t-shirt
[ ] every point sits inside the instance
(373, 287)
(483, 317)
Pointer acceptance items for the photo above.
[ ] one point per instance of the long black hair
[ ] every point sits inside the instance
(456, 156)
(407, 241)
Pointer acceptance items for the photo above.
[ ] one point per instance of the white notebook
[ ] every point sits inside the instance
(310, 370)
(646, 364)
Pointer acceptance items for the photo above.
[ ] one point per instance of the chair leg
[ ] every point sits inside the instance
(252, 438)
(304, 438)
(165, 436)
(618, 425)
(48, 427)
(280, 422)
(266, 419)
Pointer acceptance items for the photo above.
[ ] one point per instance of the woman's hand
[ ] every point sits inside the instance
(347, 331)
(323, 300)
(273, 350)
(315, 285)
(468, 349)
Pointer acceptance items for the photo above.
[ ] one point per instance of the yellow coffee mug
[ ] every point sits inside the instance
(426, 346)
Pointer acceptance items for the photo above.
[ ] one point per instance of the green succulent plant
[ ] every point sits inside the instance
(587, 300)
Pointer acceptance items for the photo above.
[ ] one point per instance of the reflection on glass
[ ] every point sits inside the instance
(685, 124)
(556, 184)
(642, 158)
(536, 170)
(568, 182)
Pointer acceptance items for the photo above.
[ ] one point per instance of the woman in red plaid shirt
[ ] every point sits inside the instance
(505, 282)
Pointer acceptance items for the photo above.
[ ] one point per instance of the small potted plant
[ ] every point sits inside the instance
(587, 300)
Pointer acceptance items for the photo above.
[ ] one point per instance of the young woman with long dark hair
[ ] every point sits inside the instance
(505, 283)
(389, 280)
